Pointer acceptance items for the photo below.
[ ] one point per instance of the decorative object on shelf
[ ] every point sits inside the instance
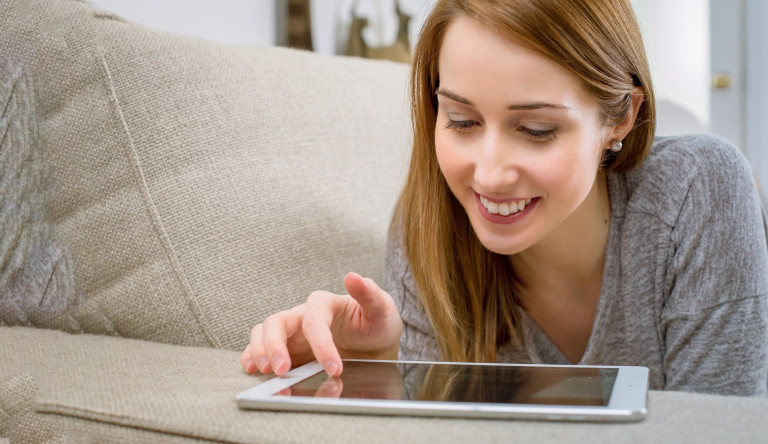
(299, 24)
(400, 51)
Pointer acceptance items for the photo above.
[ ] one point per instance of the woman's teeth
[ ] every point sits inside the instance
(505, 209)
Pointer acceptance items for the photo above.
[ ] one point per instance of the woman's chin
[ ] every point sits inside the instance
(503, 251)
(500, 244)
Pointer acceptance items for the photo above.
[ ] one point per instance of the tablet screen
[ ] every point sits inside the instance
(464, 383)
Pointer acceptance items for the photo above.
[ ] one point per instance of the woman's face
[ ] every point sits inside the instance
(518, 139)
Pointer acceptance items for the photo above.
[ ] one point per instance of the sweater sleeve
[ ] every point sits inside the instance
(714, 324)
(418, 341)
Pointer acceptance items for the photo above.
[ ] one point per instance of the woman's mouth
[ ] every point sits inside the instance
(505, 212)
(505, 209)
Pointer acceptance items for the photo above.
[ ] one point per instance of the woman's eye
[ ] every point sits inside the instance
(460, 125)
(539, 135)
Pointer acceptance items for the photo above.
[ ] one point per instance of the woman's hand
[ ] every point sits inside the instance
(364, 324)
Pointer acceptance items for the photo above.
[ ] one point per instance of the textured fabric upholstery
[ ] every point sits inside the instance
(120, 385)
(36, 281)
(197, 187)
(19, 423)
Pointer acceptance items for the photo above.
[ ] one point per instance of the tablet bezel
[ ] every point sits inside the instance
(627, 403)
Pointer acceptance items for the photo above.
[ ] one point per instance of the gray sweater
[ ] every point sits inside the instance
(685, 283)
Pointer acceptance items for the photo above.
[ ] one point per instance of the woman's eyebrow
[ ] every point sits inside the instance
(453, 96)
(537, 105)
(519, 106)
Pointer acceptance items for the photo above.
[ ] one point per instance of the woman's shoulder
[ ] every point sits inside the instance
(692, 150)
(683, 167)
(691, 156)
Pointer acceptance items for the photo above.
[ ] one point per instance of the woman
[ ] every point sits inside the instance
(540, 222)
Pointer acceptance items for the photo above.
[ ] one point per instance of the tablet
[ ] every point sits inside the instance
(449, 389)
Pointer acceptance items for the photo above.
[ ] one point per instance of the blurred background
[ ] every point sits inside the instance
(709, 58)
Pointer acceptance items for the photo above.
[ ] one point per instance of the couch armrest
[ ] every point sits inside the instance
(120, 389)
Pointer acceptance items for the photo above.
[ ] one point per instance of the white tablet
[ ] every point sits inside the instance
(566, 393)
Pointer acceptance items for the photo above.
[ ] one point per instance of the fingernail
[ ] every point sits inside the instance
(248, 366)
(261, 362)
(331, 386)
(276, 363)
(331, 368)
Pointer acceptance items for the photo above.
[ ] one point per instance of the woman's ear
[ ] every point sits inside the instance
(620, 131)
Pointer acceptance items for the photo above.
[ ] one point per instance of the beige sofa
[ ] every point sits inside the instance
(161, 194)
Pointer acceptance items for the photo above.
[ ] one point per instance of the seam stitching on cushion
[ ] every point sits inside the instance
(48, 283)
(10, 97)
(5, 109)
(91, 414)
(157, 221)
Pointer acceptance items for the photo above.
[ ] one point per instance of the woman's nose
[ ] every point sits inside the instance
(496, 166)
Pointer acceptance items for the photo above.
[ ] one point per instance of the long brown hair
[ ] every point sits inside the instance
(467, 290)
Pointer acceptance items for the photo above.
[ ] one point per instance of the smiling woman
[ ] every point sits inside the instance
(539, 142)
(540, 221)
(530, 97)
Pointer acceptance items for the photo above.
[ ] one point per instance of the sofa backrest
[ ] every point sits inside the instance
(186, 189)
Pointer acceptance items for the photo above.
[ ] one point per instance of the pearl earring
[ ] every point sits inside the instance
(617, 146)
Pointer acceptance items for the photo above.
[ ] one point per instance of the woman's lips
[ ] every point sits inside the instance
(507, 211)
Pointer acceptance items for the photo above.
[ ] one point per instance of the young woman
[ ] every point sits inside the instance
(541, 222)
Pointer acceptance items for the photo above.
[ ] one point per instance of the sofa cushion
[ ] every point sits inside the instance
(197, 187)
(120, 385)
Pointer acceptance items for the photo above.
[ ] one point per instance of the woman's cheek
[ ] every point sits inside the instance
(451, 163)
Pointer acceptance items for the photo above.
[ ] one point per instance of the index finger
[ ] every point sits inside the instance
(322, 309)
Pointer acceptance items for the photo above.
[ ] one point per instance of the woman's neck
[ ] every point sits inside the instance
(559, 279)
